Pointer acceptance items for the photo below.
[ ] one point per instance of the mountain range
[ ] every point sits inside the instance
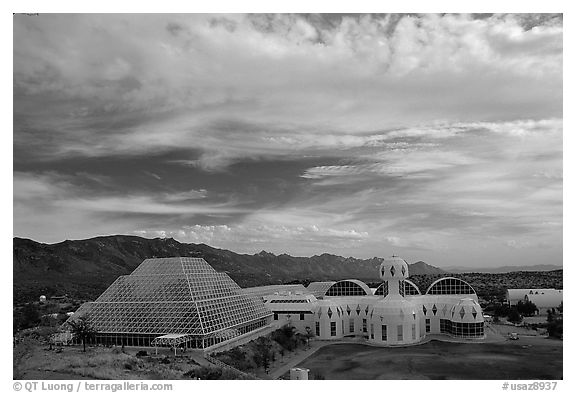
(85, 268)
(503, 269)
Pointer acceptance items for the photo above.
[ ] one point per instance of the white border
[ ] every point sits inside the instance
(169, 6)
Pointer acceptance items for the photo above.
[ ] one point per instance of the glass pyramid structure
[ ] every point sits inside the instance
(175, 296)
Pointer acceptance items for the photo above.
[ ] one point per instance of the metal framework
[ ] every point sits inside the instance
(348, 288)
(272, 289)
(462, 329)
(171, 340)
(408, 288)
(382, 289)
(450, 286)
(319, 288)
(174, 296)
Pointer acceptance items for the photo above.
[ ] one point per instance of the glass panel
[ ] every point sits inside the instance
(450, 286)
(348, 288)
(174, 295)
(382, 290)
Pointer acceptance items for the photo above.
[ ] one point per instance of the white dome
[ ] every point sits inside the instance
(466, 310)
(394, 268)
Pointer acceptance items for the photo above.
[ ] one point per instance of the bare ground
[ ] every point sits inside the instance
(34, 361)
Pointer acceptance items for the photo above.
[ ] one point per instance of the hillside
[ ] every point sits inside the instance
(492, 286)
(503, 269)
(84, 268)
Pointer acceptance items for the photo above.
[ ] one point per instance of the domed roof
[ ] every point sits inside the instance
(350, 287)
(393, 307)
(394, 268)
(466, 310)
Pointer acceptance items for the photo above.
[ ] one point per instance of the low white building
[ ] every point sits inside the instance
(544, 298)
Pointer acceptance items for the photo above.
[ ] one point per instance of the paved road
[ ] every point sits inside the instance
(296, 358)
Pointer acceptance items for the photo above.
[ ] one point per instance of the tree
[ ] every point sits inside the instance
(555, 324)
(501, 310)
(288, 331)
(526, 308)
(263, 353)
(514, 316)
(82, 329)
(285, 337)
(555, 328)
(308, 335)
(29, 316)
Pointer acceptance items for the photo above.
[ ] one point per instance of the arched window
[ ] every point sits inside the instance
(319, 288)
(450, 286)
(348, 288)
(408, 288)
(382, 290)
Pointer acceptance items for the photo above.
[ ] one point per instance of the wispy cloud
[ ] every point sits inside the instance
(432, 134)
(52, 191)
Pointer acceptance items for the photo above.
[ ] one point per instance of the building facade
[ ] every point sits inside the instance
(184, 302)
(544, 298)
(395, 314)
(180, 302)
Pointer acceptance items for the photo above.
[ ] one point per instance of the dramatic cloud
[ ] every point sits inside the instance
(435, 136)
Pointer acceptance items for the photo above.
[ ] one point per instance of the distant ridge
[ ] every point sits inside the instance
(84, 268)
(422, 268)
(504, 269)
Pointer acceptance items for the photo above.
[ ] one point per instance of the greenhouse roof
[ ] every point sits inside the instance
(173, 296)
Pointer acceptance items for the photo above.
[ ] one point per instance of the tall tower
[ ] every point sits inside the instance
(394, 270)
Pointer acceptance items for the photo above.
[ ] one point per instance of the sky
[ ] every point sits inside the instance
(433, 137)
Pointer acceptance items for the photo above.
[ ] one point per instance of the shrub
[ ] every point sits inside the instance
(285, 337)
(227, 374)
(555, 325)
(526, 308)
(514, 316)
(204, 373)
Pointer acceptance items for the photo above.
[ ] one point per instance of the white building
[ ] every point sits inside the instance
(185, 302)
(544, 298)
(396, 313)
